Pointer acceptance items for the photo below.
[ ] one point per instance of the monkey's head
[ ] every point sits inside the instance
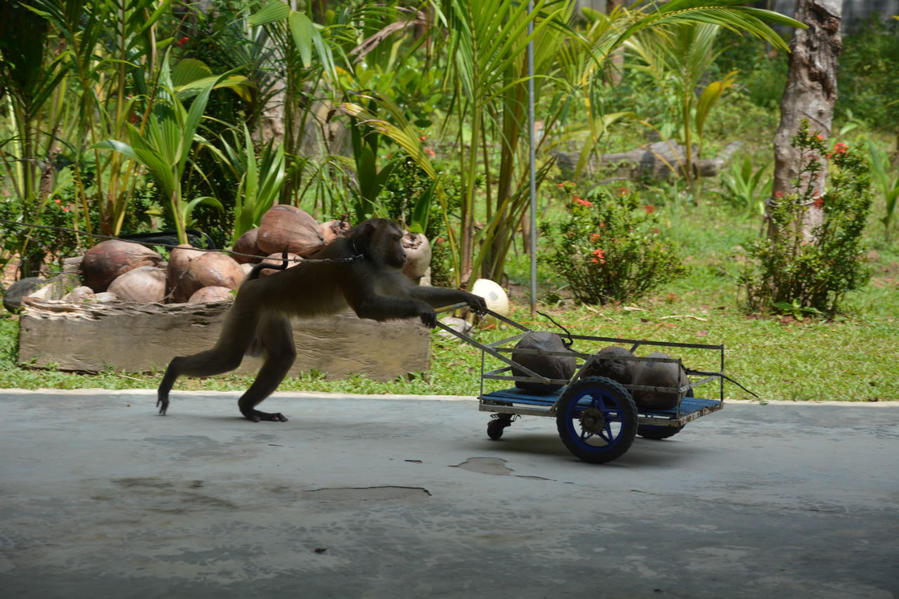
(381, 240)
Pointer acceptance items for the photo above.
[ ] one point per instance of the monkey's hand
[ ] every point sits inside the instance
(428, 316)
(477, 303)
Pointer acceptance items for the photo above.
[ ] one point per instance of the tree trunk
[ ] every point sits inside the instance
(810, 95)
(615, 64)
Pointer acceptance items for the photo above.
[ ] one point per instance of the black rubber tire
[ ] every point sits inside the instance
(497, 425)
(605, 399)
(657, 433)
(495, 430)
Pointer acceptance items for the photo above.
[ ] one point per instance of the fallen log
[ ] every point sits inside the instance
(657, 161)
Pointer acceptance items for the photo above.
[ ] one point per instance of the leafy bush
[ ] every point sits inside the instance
(867, 77)
(809, 272)
(746, 188)
(37, 245)
(610, 248)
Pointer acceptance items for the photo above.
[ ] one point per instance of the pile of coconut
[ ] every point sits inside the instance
(118, 270)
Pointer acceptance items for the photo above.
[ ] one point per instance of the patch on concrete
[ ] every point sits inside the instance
(495, 466)
(357, 494)
(142, 482)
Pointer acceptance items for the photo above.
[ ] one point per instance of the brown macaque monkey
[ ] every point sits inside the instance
(362, 271)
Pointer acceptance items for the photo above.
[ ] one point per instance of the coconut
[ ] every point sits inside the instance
(212, 293)
(178, 286)
(278, 260)
(532, 352)
(112, 258)
(245, 248)
(202, 269)
(333, 229)
(659, 374)
(286, 227)
(612, 362)
(142, 285)
(493, 295)
(418, 255)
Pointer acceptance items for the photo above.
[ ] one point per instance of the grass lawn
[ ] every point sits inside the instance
(852, 358)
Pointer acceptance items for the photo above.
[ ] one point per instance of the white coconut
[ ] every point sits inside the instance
(493, 294)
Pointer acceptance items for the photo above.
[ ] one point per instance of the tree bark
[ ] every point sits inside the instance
(810, 94)
(615, 64)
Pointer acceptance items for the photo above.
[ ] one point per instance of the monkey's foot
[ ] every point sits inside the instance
(256, 416)
(163, 404)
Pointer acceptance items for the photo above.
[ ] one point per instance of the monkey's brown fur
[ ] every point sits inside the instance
(362, 271)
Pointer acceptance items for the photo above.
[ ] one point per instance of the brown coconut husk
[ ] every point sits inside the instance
(178, 289)
(245, 248)
(333, 229)
(112, 258)
(212, 293)
(286, 227)
(141, 285)
(418, 255)
(203, 270)
(277, 260)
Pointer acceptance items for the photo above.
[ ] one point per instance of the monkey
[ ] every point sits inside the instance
(362, 271)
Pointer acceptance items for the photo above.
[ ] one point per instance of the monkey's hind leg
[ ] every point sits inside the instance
(207, 363)
(276, 338)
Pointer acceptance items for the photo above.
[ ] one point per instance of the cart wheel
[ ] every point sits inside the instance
(597, 419)
(657, 433)
(496, 426)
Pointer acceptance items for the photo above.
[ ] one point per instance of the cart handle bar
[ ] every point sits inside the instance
(487, 348)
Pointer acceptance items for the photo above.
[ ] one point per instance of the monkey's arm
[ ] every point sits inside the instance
(441, 296)
(385, 299)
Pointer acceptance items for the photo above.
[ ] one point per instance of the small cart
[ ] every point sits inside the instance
(596, 417)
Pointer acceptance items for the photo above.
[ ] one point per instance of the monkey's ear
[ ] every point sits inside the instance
(361, 236)
(367, 229)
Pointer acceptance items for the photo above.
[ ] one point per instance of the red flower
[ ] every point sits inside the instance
(623, 191)
(819, 137)
(430, 152)
(598, 256)
(838, 149)
(649, 208)
(819, 202)
(778, 194)
(578, 200)
(595, 237)
(182, 41)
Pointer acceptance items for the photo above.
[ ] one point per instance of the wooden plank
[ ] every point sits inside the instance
(143, 338)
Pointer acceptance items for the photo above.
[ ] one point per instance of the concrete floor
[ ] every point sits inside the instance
(387, 497)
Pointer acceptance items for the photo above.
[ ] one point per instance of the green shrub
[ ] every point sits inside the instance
(802, 272)
(610, 248)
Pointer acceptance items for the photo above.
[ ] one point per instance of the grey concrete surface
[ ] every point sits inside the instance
(378, 497)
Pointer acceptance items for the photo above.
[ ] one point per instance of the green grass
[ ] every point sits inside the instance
(852, 358)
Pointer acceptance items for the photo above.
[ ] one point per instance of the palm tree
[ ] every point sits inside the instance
(485, 72)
